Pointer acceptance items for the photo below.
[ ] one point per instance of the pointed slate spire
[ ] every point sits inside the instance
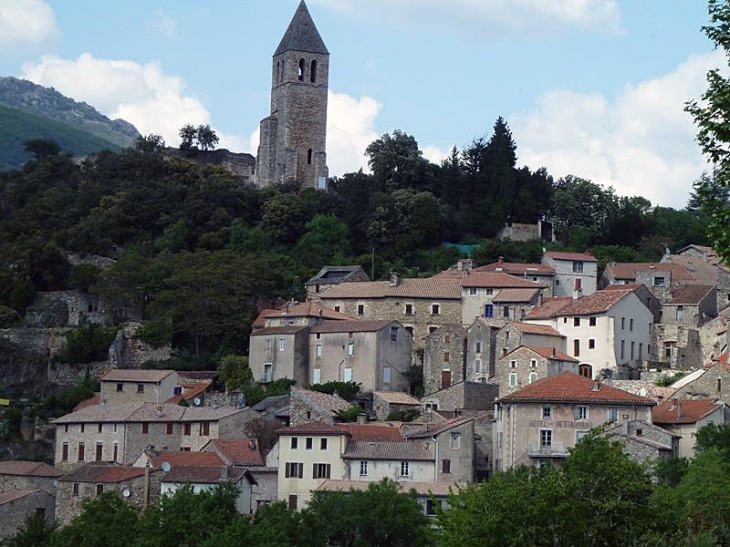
(302, 34)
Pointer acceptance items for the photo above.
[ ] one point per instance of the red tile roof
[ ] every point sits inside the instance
(629, 270)
(591, 304)
(135, 375)
(515, 295)
(431, 287)
(517, 268)
(387, 451)
(532, 328)
(562, 255)
(311, 308)
(203, 474)
(186, 459)
(28, 469)
(312, 428)
(95, 399)
(242, 452)
(284, 329)
(550, 353)
(550, 306)
(572, 388)
(372, 432)
(352, 326)
(684, 411)
(103, 473)
(495, 280)
(690, 294)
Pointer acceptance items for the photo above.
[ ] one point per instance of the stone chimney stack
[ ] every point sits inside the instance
(625, 424)
(394, 278)
(500, 264)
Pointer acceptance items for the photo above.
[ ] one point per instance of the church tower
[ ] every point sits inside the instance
(293, 136)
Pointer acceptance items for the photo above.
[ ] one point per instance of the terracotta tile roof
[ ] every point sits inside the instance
(103, 473)
(550, 306)
(517, 268)
(431, 287)
(135, 375)
(13, 495)
(285, 329)
(532, 328)
(324, 401)
(623, 287)
(489, 322)
(240, 451)
(700, 270)
(495, 280)
(429, 430)
(312, 428)
(645, 388)
(146, 412)
(28, 469)
(591, 304)
(690, 294)
(572, 388)
(191, 389)
(311, 308)
(397, 397)
(515, 295)
(684, 411)
(352, 326)
(95, 399)
(176, 459)
(551, 353)
(387, 451)
(629, 270)
(439, 489)
(562, 255)
(456, 330)
(203, 474)
(379, 432)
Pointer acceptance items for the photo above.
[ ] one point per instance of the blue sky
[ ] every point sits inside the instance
(593, 88)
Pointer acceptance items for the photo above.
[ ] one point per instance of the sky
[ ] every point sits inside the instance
(590, 88)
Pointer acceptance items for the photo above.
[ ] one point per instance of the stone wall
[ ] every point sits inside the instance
(14, 513)
(678, 346)
(66, 309)
(464, 396)
(128, 351)
(444, 354)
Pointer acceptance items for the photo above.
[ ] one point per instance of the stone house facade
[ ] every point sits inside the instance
(527, 364)
(497, 295)
(387, 402)
(138, 385)
(452, 444)
(375, 353)
(676, 346)
(279, 352)
(643, 441)
(420, 305)
(572, 271)
(514, 335)
(309, 406)
(444, 358)
(538, 424)
(481, 343)
(713, 383)
(540, 274)
(329, 276)
(27, 475)
(690, 306)
(139, 487)
(684, 418)
(17, 505)
(463, 396)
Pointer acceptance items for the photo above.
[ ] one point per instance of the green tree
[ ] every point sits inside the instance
(397, 162)
(234, 371)
(347, 390)
(581, 204)
(34, 532)
(42, 148)
(106, 521)
(188, 133)
(206, 137)
(325, 238)
(149, 144)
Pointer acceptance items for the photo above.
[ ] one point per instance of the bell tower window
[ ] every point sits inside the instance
(313, 72)
(300, 72)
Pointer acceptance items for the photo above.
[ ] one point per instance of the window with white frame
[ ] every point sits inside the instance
(268, 371)
(393, 334)
(268, 344)
(546, 437)
(282, 344)
(363, 468)
(318, 351)
(547, 412)
(512, 380)
(477, 347)
(581, 412)
(350, 349)
(435, 309)
(386, 375)
(577, 266)
(533, 377)
(580, 434)
(473, 291)
(613, 414)
(347, 374)
(478, 366)
(455, 441)
(317, 376)
(513, 364)
(294, 470)
(533, 363)
(404, 469)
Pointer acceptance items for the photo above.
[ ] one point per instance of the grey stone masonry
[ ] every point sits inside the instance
(444, 358)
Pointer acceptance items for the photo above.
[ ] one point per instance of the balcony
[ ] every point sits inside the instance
(554, 450)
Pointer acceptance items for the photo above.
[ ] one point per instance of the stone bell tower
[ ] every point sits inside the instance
(293, 136)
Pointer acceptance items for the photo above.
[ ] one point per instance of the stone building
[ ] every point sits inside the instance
(26, 475)
(138, 385)
(541, 274)
(386, 403)
(526, 364)
(329, 276)
(444, 358)
(313, 406)
(644, 441)
(420, 305)
(452, 444)
(572, 271)
(17, 505)
(539, 423)
(137, 486)
(685, 417)
(280, 352)
(293, 137)
(481, 344)
(712, 383)
(498, 295)
(513, 335)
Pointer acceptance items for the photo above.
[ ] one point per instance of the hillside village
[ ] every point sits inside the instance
(434, 382)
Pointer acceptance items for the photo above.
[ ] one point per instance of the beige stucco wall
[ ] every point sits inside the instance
(154, 392)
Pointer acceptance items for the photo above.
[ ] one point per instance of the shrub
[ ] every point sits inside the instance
(90, 343)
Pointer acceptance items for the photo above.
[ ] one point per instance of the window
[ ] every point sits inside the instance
(658, 281)
(631, 323)
(293, 498)
(431, 505)
(477, 366)
(613, 414)
(309, 443)
(472, 291)
(576, 321)
(435, 309)
(347, 374)
(546, 437)
(83, 427)
(408, 309)
(187, 428)
(505, 311)
(294, 443)
(386, 375)
(409, 329)
(513, 364)
(404, 469)
(623, 323)
(75, 491)
(719, 384)
(268, 372)
(447, 357)
(668, 349)
(82, 450)
(363, 468)
(116, 452)
(579, 435)
(309, 156)
(294, 470)
(512, 380)
(489, 292)
(576, 347)
(641, 350)
(533, 363)
(350, 349)
(581, 413)
(300, 70)
(455, 441)
(318, 351)
(586, 371)
(313, 71)
(478, 347)
(488, 310)
(120, 387)
(99, 428)
(591, 343)
(446, 466)
(99, 451)
(321, 470)
(323, 444)
(394, 334)
(282, 344)
(532, 377)
(591, 321)
(577, 266)
(140, 388)
(64, 452)
(632, 350)
(547, 412)
(361, 309)
(337, 308)
(268, 344)
(623, 348)
(204, 429)
(145, 428)
(317, 376)
(680, 313)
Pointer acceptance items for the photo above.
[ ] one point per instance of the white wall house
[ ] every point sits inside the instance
(572, 267)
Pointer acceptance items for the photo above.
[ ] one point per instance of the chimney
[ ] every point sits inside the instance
(577, 289)
(596, 386)
(362, 418)
(554, 353)
(500, 264)
(252, 444)
(224, 473)
(625, 424)
(394, 279)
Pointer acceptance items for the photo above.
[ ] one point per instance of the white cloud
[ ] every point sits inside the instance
(487, 17)
(642, 143)
(26, 22)
(141, 94)
(164, 25)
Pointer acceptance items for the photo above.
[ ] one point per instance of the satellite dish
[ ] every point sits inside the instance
(166, 467)
(55, 482)
(126, 493)
(196, 401)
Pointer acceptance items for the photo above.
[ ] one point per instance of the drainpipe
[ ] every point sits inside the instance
(436, 455)
(146, 500)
